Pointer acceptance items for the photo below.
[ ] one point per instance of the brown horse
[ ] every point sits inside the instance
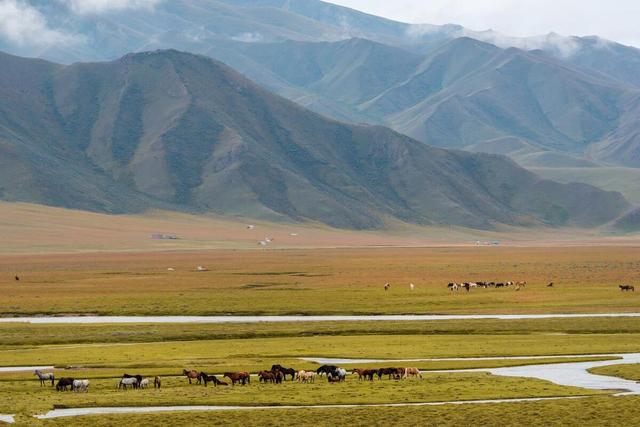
(241, 377)
(267, 376)
(157, 382)
(627, 288)
(366, 374)
(391, 372)
(192, 375)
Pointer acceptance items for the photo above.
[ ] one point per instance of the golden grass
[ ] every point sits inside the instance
(321, 281)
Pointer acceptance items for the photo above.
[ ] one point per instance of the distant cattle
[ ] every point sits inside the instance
(627, 288)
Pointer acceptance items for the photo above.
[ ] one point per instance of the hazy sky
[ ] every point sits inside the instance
(617, 20)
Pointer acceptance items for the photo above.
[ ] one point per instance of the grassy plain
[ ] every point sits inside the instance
(593, 411)
(629, 372)
(322, 281)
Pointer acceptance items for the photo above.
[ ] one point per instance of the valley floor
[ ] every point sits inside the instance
(322, 281)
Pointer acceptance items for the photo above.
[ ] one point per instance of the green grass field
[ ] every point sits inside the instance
(594, 411)
(311, 282)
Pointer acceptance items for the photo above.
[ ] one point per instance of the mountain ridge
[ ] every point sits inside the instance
(169, 128)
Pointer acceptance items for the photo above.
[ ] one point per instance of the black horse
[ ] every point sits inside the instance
(63, 383)
(326, 369)
(137, 377)
(395, 372)
(206, 379)
(285, 371)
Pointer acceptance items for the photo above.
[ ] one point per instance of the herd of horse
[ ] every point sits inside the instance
(467, 286)
(470, 285)
(276, 375)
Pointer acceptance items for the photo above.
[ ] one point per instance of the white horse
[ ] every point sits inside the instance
(144, 383)
(124, 382)
(307, 377)
(80, 385)
(44, 377)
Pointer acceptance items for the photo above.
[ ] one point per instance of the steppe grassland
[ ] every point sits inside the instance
(321, 281)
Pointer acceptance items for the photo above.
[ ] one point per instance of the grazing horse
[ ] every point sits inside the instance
(80, 385)
(453, 286)
(387, 286)
(157, 382)
(211, 379)
(144, 383)
(412, 372)
(137, 377)
(521, 284)
(307, 377)
(395, 372)
(125, 382)
(267, 376)
(44, 377)
(627, 288)
(192, 375)
(339, 375)
(63, 383)
(499, 285)
(285, 371)
(325, 369)
(366, 374)
(241, 377)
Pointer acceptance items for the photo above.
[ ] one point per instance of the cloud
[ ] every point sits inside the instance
(92, 7)
(24, 25)
(248, 37)
(560, 45)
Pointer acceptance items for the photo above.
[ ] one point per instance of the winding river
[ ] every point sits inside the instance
(568, 374)
(296, 318)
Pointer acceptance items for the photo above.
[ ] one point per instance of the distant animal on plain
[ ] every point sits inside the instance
(365, 374)
(339, 374)
(137, 377)
(201, 268)
(192, 375)
(128, 382)
(412, 286)
(309, 377)
(238, 377)
(206, 379)
(144, 383)
(63, 383)
(391, 372)
(387, 286)
(325, 369)
(17, 278)
(285, 371)
(550, 285)
(44, 377)
(171, 269)
(80, 385)
(412, 372)
(627, 288)
(157, 382)
(251, 227)
(453, 286)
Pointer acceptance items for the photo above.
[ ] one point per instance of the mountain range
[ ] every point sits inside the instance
(101, 129)
(180, 131)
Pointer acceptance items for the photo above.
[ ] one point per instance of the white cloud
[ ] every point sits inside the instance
(248, 37)
(88, 7)
(615, 20)
(24, 25)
